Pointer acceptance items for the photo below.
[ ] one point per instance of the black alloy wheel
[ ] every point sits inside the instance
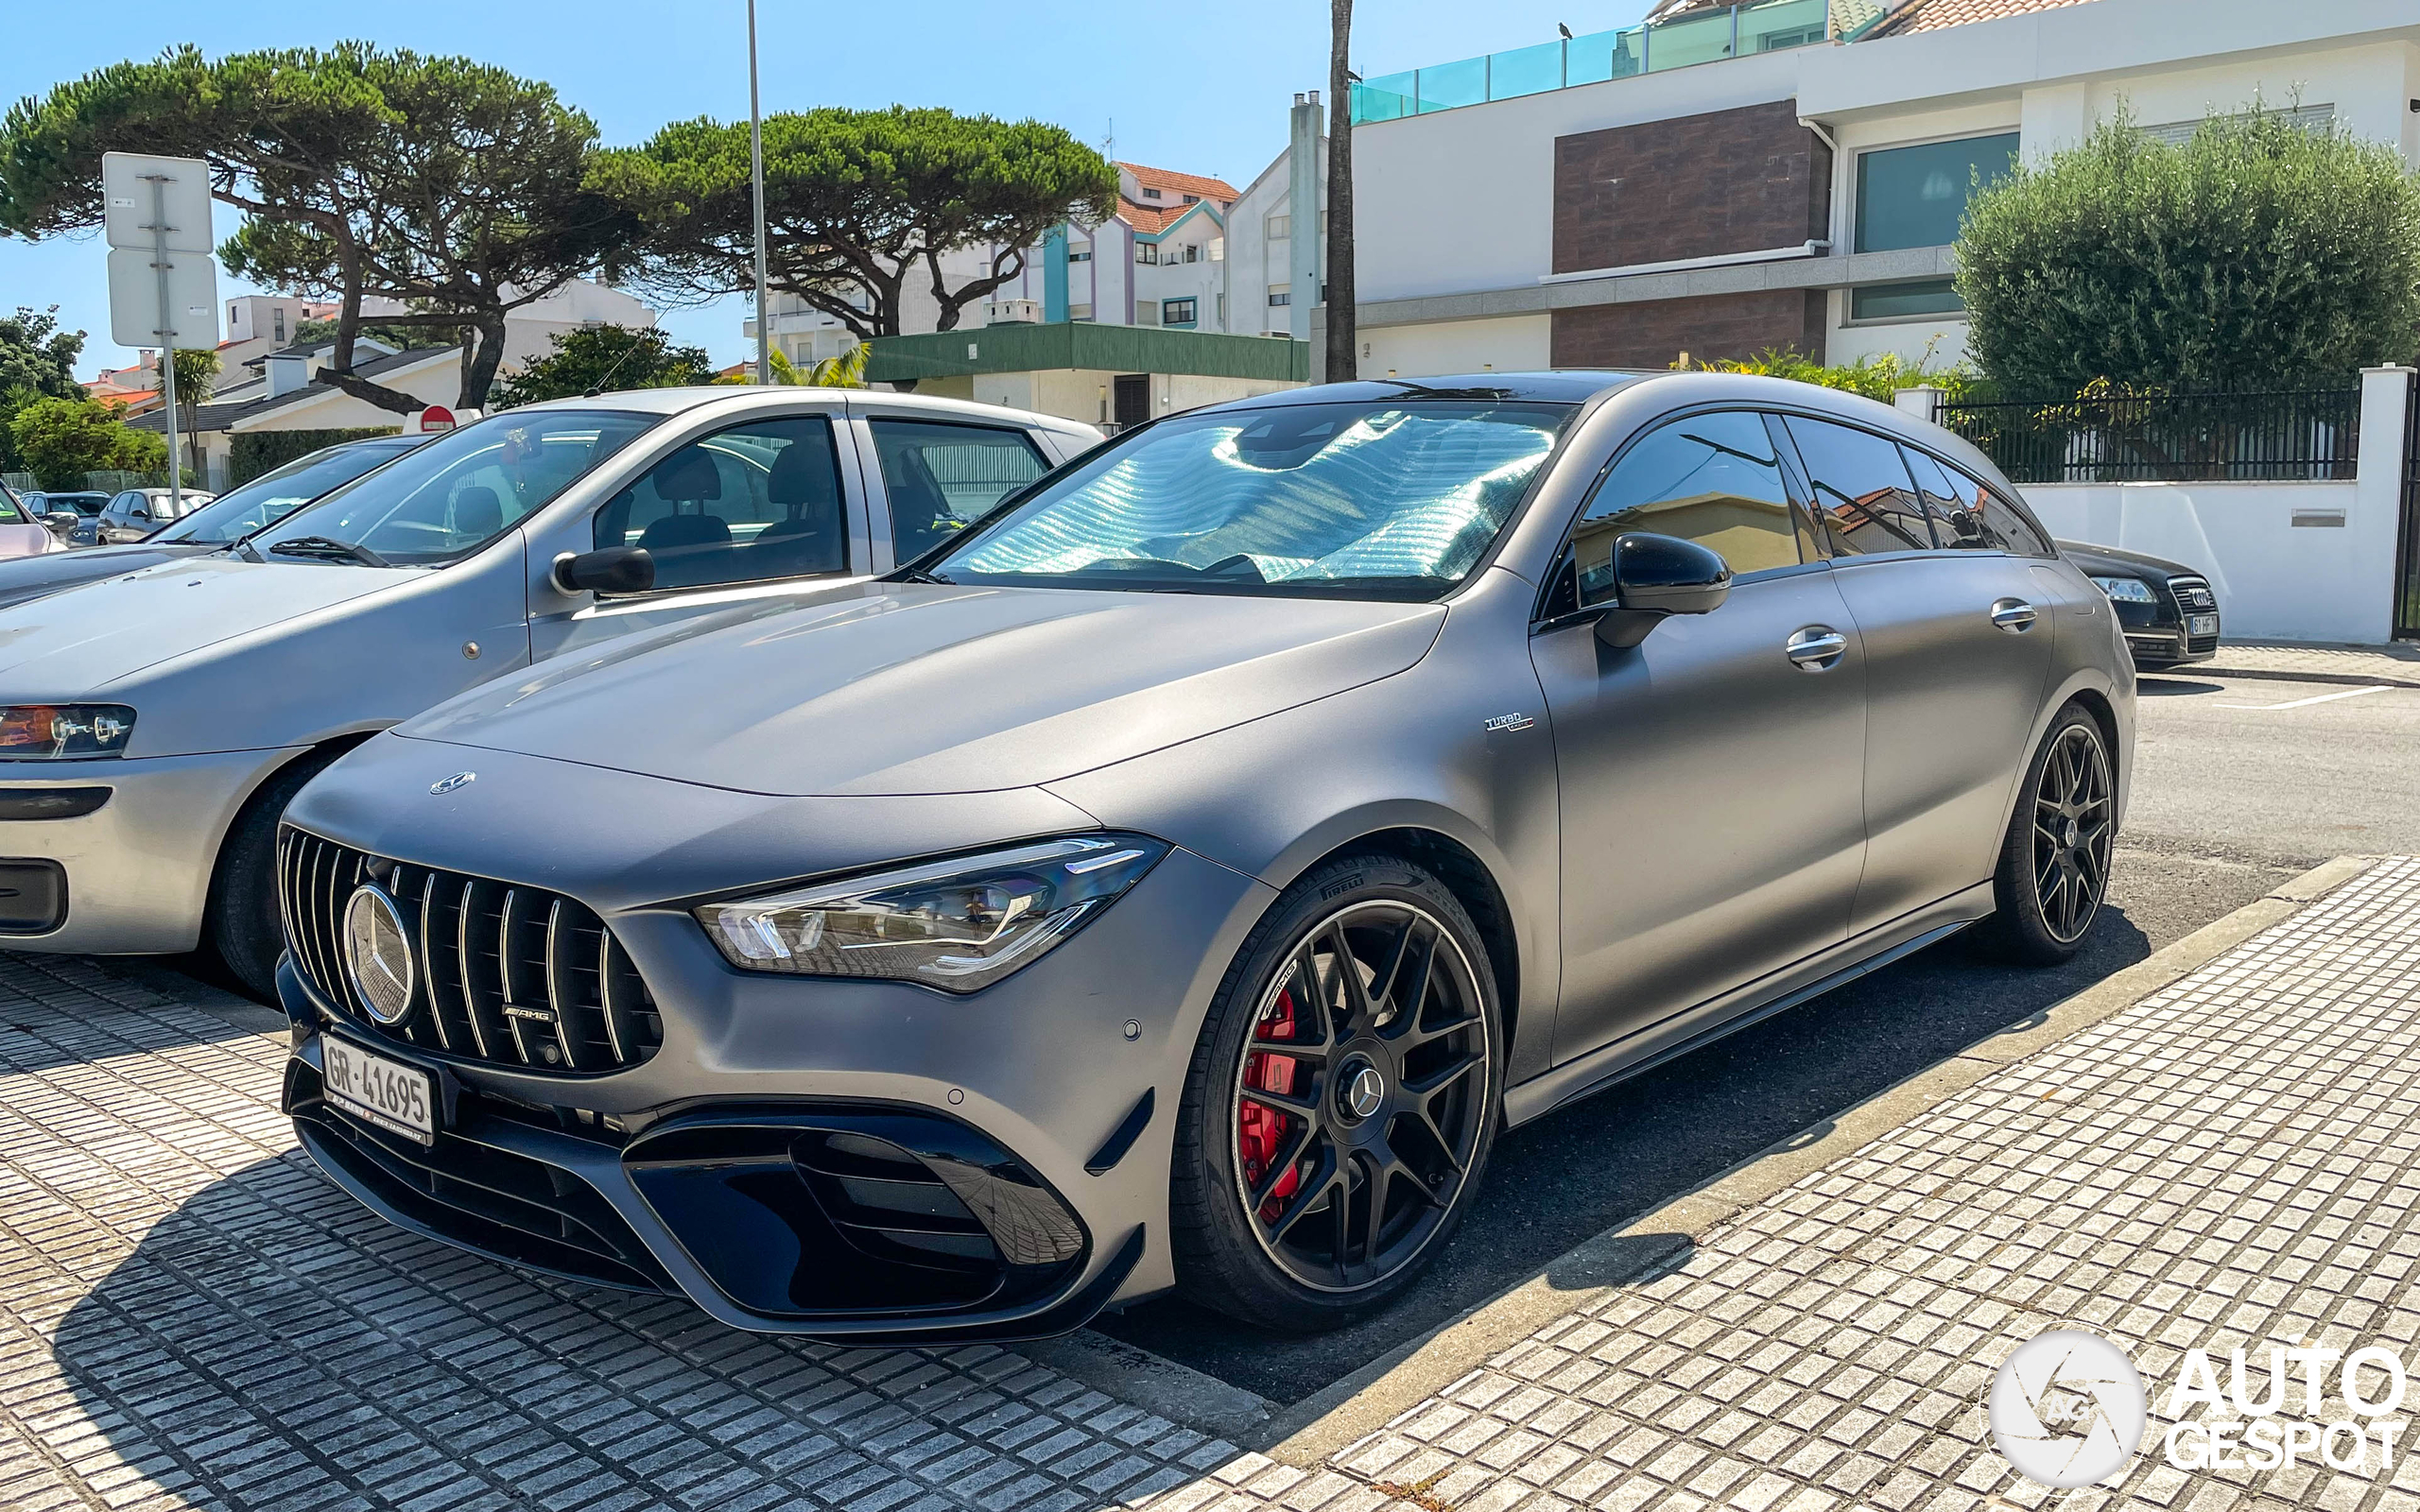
(2053, 872)
(2072, 833)
(1356, 1098)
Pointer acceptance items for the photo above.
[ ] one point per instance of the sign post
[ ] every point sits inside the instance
(161, 206)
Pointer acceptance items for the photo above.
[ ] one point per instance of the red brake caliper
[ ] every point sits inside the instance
(1261, 1132)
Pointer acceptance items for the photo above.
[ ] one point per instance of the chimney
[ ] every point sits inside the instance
(288, 371)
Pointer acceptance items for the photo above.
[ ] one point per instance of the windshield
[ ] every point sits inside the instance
(274, 495)
(1393, 500)
(459, 491)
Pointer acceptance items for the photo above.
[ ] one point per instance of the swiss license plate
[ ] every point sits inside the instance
(2202, 625)
(398, 1098)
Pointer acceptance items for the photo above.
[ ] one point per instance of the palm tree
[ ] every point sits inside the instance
(1342, 341)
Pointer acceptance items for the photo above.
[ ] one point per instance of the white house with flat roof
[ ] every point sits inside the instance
(1722, 180)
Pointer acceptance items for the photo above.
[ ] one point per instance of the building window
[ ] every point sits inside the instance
(277, 322)
(1147, 252)
(2314, 118)
(1917, 196)
(1176, 312)
(1280, 294)
(1079, 311)
(1084, 256)
(1280, 228)
(1193, 251)
(1899, 302)
(1151, 194)
(1193, 199)
(1147, 313)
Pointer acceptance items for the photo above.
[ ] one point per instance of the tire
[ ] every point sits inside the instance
(242, 919)
(2053, 872)
(1402, 1099)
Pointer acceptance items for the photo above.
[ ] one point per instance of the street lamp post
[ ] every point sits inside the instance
(756, 173)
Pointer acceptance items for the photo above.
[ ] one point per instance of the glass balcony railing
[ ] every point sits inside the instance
(1699, 37)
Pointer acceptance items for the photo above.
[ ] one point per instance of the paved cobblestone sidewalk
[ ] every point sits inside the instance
(2394, 666)
(189, 1315)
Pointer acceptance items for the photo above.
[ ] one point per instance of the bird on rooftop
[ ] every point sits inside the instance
(1566, 30)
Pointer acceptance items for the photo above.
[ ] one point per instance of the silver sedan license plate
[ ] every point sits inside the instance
(2202, 625)
(387, 1093)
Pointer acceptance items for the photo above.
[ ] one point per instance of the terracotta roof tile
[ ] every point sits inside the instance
(1183, 183)
(1936, 15)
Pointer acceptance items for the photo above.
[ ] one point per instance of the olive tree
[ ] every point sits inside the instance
(2258, 252)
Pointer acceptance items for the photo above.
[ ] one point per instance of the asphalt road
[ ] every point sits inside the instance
(2228, 802)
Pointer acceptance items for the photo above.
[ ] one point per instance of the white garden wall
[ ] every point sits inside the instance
(2276, 580)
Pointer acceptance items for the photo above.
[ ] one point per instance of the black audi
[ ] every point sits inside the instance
(2169, 610)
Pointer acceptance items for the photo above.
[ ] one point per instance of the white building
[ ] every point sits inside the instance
(1789, 173)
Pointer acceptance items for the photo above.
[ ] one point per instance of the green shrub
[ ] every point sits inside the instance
(63, 439)
(2259, 253)
(250, 453)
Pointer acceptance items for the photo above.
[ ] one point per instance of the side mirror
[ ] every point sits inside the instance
(138, 514)
(614, 570)
(62, 520)
(1652, 577)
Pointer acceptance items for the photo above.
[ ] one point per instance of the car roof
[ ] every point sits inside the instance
(1565, 387)
(741, 398)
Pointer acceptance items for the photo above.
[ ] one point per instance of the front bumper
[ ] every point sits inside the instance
(137, 867)
(2168, 647)
(839, 1160)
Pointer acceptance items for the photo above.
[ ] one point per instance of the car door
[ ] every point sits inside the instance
(1713, 826)
(766, 503)
(1956, 643)
(934, 476)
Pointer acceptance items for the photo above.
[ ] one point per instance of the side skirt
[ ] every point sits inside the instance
(1695, 1027)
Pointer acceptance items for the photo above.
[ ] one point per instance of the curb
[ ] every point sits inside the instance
(2213, 669)
(1309, 1432)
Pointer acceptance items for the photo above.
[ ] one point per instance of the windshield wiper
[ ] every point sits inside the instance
(926, 577)
(328, 548)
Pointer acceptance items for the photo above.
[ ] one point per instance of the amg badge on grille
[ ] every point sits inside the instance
(378, 953)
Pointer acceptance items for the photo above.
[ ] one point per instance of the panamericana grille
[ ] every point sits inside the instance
(501, 973)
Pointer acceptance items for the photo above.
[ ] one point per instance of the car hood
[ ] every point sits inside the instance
(894, 689)
(2109, 561)
(66, 644)
(30, 578)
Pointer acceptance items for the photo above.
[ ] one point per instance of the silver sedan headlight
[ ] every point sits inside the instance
(958, 925)
(63, 732)
(2126, 589)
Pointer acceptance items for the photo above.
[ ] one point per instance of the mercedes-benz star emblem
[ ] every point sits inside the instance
(378, 953)
(449, 785)
(1366, 1093)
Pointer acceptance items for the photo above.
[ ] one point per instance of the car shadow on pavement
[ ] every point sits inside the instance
(1605, 1162)
(2175, 687)
(68, 1010)
(269, 1344)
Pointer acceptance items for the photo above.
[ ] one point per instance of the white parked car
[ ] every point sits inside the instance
(158, 721)
(137, 512)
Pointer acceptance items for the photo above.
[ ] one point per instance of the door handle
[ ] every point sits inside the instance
(2013, 615)
(1817, 649)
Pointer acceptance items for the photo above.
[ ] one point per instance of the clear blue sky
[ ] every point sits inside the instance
(1198, 87)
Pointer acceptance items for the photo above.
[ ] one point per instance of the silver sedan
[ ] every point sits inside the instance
(1176, 879)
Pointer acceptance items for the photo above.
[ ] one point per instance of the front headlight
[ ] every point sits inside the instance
(2126, 589)
(958, 925)
(63, 732)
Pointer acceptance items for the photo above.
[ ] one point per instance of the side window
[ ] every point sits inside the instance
(1715, 479)
(942, 478)
(1862, 495)
(1969, 517)
(9, 510)
(754, 501)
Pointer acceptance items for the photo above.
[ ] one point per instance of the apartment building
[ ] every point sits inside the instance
(1724, 179)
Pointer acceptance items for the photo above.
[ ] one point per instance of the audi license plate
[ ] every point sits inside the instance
(2202, 625)
(393, 1096)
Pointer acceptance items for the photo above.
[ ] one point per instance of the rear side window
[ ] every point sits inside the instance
(754, 501)
(1715, 479)
(1968, 517)
(1864, 500)
(942, 478)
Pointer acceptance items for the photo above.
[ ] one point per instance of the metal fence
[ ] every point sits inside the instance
(2286, 436)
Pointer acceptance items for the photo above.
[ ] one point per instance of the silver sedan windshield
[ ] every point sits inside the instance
(1397, 499)
(456, 493)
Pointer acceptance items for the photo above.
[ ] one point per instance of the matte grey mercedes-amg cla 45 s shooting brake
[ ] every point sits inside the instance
(1177, 878)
